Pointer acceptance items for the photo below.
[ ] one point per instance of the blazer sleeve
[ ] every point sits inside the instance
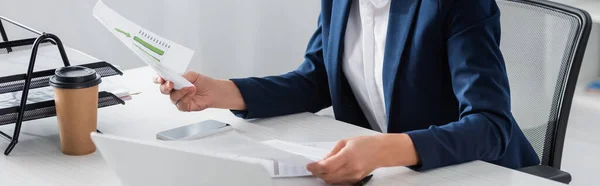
(480, 84)
(305, 89)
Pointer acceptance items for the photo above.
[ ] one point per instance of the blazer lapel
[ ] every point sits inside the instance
(401, 20)
(339, 20)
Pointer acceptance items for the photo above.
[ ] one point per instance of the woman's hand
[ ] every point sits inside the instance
(206, 93)
(355, 158)
(349, 161)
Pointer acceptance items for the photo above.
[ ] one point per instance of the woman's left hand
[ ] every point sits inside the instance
(353, 159)
(349, 161)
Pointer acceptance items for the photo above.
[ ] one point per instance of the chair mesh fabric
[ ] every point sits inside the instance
(537, 45)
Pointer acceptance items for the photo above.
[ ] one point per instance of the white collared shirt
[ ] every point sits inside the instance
(364, 45)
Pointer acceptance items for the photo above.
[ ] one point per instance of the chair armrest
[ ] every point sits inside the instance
(548, 172)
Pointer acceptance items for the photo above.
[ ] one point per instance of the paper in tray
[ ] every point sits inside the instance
(40, 79)
(47, 108)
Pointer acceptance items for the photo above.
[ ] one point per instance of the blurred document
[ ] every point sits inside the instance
(167, 58)
(313, 151)
(321, 145)
(279, 169)
(309, 152)
(279, 163)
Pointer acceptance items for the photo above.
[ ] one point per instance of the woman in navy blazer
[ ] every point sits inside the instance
(447, 98)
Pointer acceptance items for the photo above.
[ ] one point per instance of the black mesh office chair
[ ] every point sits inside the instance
(543, 45)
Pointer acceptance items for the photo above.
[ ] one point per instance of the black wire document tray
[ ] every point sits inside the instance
(40, 79)
(27, 110)
(47, 109)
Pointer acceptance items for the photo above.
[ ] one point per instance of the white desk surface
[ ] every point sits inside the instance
(37, 159)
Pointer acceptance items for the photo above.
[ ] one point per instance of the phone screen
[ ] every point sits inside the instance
(196, 129)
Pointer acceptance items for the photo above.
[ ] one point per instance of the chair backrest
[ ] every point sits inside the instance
(543, 45)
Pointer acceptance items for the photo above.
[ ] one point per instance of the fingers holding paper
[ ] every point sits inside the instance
(187, 99)
(165, 86)
(353, 159)
(349, 161)
(206, 92)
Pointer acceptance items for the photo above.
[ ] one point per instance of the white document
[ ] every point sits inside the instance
(279, 169)
(167, 58)
(277, 162)
(320, 145)
(309, 152)
(275, 168)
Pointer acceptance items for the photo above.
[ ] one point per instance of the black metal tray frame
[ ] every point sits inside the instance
(30, 80)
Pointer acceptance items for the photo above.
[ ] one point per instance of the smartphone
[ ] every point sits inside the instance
(194, 131)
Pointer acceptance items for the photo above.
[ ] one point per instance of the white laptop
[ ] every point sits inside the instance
(148, 163)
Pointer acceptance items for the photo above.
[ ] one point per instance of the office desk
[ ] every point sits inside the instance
(37, 159)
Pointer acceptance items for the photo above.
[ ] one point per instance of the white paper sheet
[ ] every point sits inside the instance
(279, 169)
(167, 58)
(321, 145)
(234, 145)
(312, 153)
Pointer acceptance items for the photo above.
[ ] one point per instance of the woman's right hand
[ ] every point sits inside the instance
(206, 93)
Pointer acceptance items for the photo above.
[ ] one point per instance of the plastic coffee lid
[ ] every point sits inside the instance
(75, 77)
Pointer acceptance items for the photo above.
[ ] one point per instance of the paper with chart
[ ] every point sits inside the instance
(167, 58)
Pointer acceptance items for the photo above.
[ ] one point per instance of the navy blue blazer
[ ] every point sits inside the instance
(445, 83)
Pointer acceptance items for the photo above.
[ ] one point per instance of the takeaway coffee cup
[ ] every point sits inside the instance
(76, 99)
